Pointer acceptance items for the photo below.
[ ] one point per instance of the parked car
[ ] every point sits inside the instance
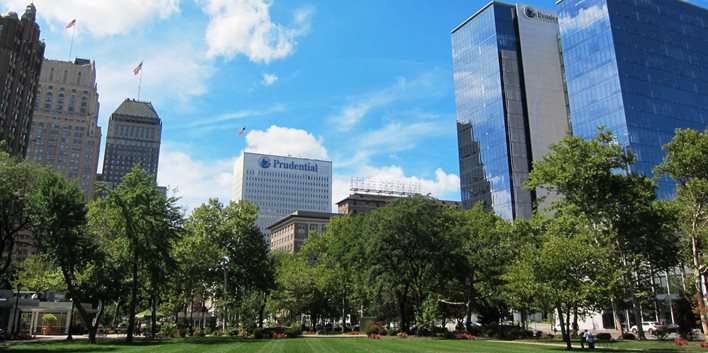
(647, 326)
(671, 327)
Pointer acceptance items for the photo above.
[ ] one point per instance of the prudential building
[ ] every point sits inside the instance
(280, 185)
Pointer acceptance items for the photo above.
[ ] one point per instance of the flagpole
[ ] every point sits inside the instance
(140, 80)
(71, 46)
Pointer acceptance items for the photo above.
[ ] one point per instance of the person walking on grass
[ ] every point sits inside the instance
(582, 339)
(590, 339)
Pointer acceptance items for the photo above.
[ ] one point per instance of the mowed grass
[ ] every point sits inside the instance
(331, 345)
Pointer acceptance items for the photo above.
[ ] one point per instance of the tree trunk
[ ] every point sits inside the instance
(261, 311)
(564, 331)
(344, 319)
(699, 282)
(636, 307)
(133, 301)
(468, 305)
(618, 322)
(576, 327)
(153, 311)
(191, 313)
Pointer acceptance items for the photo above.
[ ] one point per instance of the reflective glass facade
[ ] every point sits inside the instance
(638, 67)
(508, 84)
(489, 101)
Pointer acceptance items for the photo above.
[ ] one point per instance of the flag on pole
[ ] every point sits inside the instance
(240, 132)
(137, 69)
(70, 24)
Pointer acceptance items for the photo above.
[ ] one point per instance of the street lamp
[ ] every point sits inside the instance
(71, 319)
(17, 307)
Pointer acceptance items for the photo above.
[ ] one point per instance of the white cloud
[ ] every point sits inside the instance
(228, 120)
(245, 27)
(398, 137)
(285, 141)
(171, 62)
(443, 186)
(100, 18)
(196, 181)
(584, 18)
(424, 86)
(269, 79)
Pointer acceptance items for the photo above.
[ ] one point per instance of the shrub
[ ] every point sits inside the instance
(704, 344)
(465, 336)
(680, 342)
(629, 336)
(402, 335)
(199, 333)
(383, 331)
(293, 332)
(373, 329)
(391, 332)
(538, 334)
(169, 329)
(258, 333)
(375, 336)
(233, 332)
(603, 336)
(219, 332)
(354, 333)
(280, 335)
(661, 333)
(49, 319)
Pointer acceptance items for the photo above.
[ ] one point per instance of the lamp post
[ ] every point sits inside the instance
(71, 319)
(17, 307)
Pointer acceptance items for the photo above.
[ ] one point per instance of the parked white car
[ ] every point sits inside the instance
(647, 326)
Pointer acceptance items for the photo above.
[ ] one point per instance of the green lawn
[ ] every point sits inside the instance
(329, 345)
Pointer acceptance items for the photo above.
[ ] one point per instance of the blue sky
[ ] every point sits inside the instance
(367, 84)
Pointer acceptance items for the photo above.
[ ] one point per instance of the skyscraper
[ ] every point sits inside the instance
(639, 68)
(134, 133)
(510, 102)
(65, 135)
(281, 185)
(21, 55)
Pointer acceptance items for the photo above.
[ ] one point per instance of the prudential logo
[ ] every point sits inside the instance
(530, 12)
(264, 162)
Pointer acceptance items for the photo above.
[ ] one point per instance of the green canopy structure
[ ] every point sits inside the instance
(148, 313)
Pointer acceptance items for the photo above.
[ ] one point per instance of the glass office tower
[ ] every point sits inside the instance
(510, 103)
(639, 68)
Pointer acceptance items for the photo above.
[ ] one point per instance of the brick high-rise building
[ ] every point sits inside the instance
(65, 135)
(21, 54)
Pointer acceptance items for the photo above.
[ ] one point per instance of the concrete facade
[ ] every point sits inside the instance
(280, 185)
(21, 54)
(134, 135)
(289, 233)
(65, 135)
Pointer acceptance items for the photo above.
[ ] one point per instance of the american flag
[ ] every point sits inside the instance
(137, 69)
(240, 132)
(70, 24)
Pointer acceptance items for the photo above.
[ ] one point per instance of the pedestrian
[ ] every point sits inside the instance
(589, 339)
(582, 339)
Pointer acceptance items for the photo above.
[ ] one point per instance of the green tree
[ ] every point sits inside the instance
(39, 274)
(593, 179)
(148, 223)
(686, 162)
(560, 270)
(409, 247)
(17, 181)
(487, 247)
(339, 263)
(58, 219)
